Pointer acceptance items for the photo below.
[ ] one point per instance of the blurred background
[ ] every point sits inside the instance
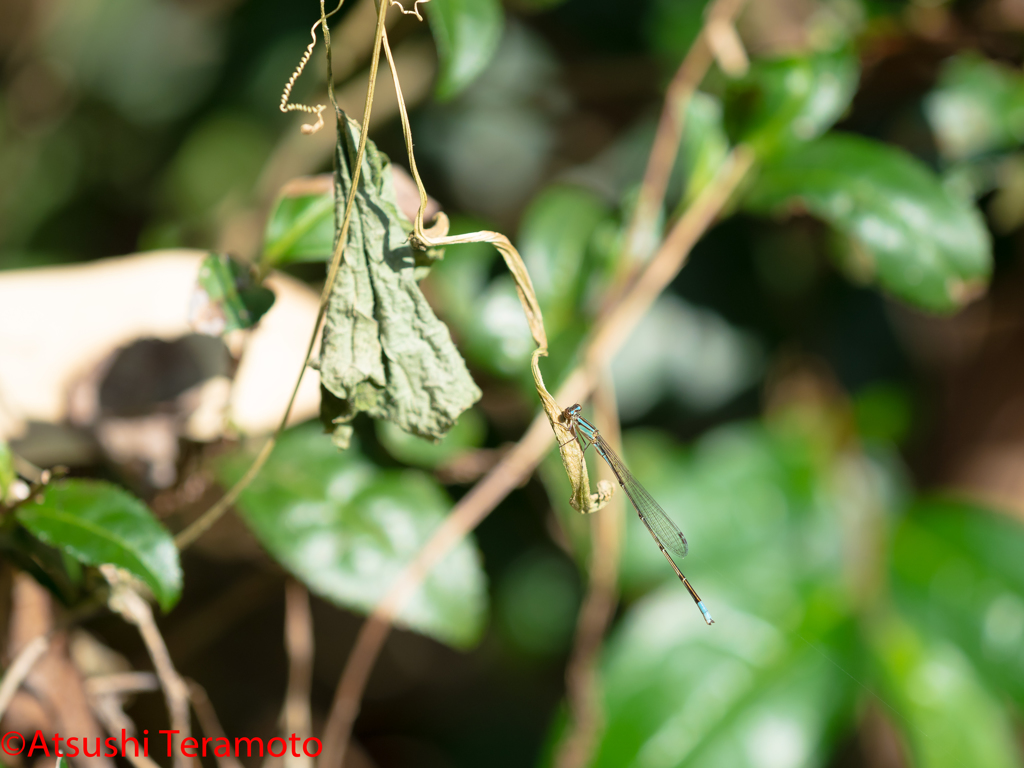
(844, 451)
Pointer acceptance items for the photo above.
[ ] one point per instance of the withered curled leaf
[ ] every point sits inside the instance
(384, 351)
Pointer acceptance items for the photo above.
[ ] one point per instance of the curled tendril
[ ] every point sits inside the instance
(415, 8)
(318, 109)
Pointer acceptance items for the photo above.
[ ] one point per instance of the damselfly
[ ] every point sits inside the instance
(669, 538)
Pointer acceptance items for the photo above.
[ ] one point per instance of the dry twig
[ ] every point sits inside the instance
(20, 668)
(126, 602)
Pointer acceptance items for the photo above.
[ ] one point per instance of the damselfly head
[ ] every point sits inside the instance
(572, 412)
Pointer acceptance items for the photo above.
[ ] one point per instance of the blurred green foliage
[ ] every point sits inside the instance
(346, 528)
(782, 103)
(843, 594)
(903, 228)
(467, 33)
(536, 603)
(7, 474)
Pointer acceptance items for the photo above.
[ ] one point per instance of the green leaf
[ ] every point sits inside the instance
(958, 570)
(976, 107)
(554, 237)
(467, 33)
(705, 144)
(947, 716)
(97, 522)
(7, 473)
(782, 103)
(227, 297)
(384, 351)
(347, 528)
(904, 229)
(678, 693)
(466, 434)
(300, 228)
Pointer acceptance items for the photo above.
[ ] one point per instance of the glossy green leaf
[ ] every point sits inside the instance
(300, 228)
(905, 230)
(781, 103)
(739, 693)
(976, 107)
(467, 33)
(384, 352)
(465, 435)
(948, 718)
(97, 523)
(227, 297)
(346, 529)
(553, 239)
(958, 570)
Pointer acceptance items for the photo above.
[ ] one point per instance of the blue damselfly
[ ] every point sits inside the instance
(669, 538)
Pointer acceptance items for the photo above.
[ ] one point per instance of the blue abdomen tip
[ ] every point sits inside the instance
(706, 612)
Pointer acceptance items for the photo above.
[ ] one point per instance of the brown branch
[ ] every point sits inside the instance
(582, 694)
(20, 669)
(612, 332)
(126, 602)
(520, 462)
(641, 237)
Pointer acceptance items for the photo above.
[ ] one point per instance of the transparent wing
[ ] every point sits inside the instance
(657, 520)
